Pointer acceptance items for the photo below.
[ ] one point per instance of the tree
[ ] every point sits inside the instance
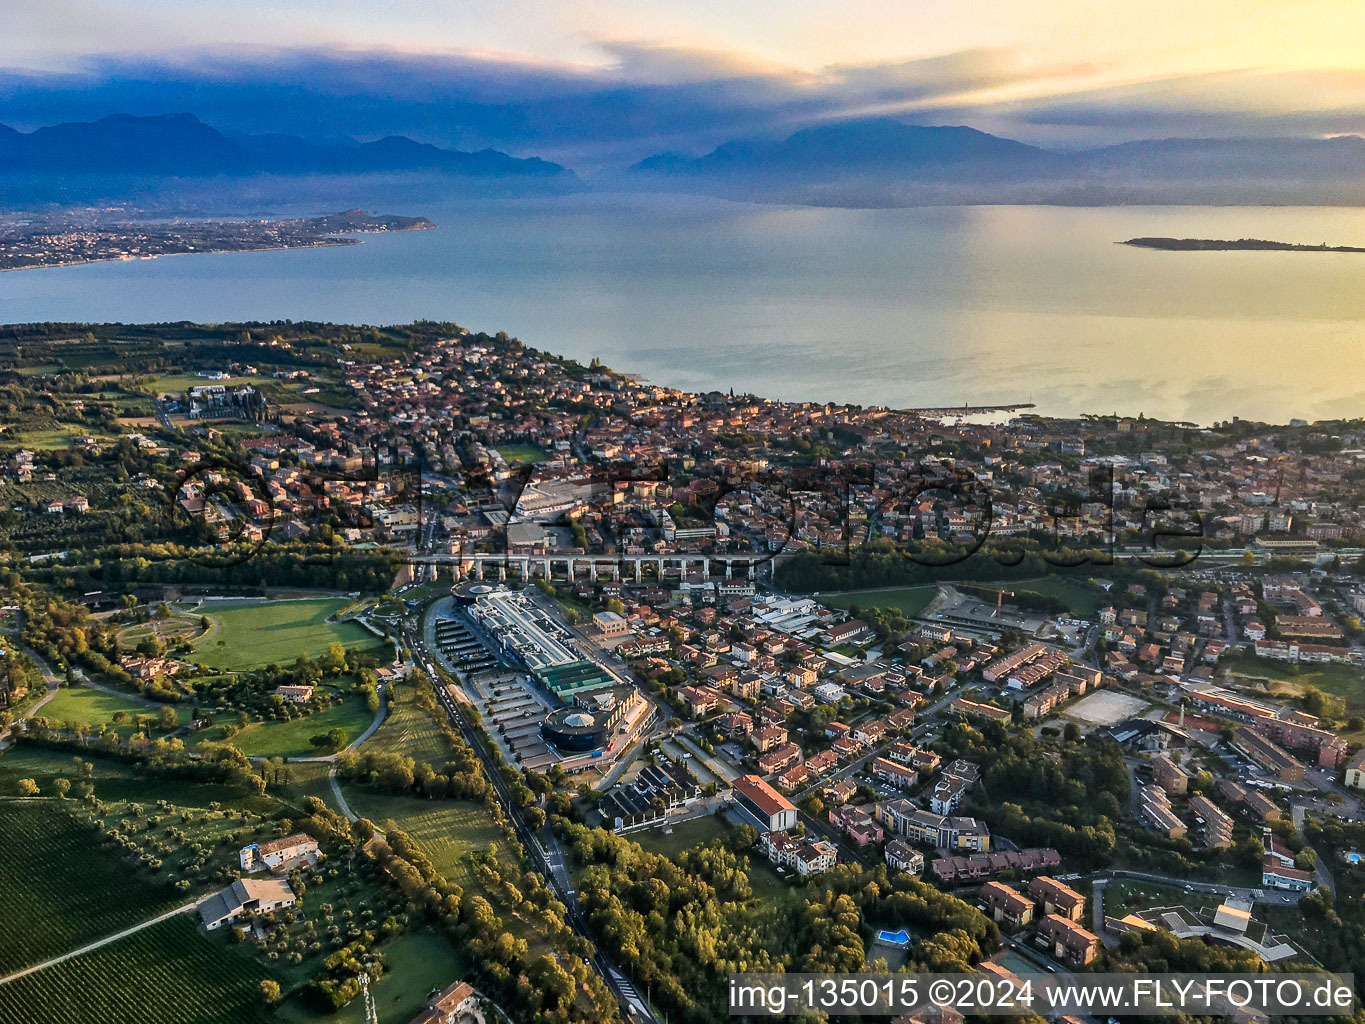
(270, 992)
(27, 787)
(167, 719)
(62, 787)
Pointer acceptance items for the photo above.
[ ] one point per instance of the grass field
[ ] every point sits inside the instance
(61, 888)
(293, 738)
(515, 453)
(1081, 600)
(416, 964)
(910, 601)
(409, 730)
(116, 780)
(177, 627)
(175, 383)
(447, 831)
(250, 636)
(171, 973)
(1124, 895)
(80, 705)
(687, 834)
(61, 436)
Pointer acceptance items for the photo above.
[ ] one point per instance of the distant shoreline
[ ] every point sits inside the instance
(1233, 245)
(51, 245)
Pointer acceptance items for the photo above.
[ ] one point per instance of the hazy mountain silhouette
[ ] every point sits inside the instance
(181, 144)
(883, 161)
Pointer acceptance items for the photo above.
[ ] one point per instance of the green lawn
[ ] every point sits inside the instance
(910, 601)
(515, 453)
(61, 436)
(293, 738)
(1126, 896)
(251, 636)
(417, 963)
(1346, 681)
(695, 832)
(80, 705)
(61, 887)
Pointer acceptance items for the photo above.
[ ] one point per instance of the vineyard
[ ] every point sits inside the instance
(61, 888)
(171, 973)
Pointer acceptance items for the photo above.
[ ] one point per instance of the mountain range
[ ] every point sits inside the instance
(182, 145)
(868, 162)
(883, 161)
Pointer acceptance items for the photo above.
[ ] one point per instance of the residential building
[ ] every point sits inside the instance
(245, 898)
(1006, 906)
(1067, 941)
(1054, 897)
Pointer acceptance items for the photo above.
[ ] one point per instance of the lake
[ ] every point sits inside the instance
(913, 307)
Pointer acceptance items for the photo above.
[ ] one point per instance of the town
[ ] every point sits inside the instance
(450, 680)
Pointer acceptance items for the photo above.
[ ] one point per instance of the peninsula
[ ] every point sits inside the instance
(55, 242)
(1224, 244)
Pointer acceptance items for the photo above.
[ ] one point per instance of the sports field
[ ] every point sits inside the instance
(252, 635)
(515, 453)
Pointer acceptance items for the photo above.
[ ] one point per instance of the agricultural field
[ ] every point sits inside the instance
(61, 888)
(909, 601)
(80, 705)
(252, 635)
(170, 973)
(293, 738)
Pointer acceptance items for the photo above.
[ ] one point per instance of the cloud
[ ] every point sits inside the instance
(643, 97)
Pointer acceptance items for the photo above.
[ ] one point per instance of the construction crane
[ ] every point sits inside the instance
(999, 595)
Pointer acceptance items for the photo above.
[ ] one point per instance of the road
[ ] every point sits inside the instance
(54, 683)
(103, 942)
(1320, 870)
(1238, 892)
(1097, 912)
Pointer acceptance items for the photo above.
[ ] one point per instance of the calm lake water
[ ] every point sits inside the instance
(977, 305)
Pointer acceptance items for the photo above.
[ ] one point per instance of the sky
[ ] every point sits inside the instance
(611, 80)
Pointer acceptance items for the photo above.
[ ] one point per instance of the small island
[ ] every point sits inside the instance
(1235, 244)
(68, 239)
